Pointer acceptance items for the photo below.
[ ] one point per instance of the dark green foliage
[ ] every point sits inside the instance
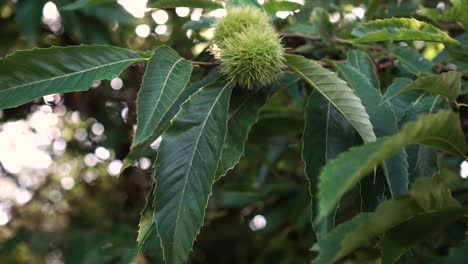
(346, 146)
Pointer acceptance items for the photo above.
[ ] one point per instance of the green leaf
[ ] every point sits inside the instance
(84, 3)
(273, 7)
(185, 169)
(404, 236)
(88, 30)
(404, 29)
(372, 7)
(454, 52)
(431, 194)
(458, 52)
(204, 22)
(208, 4)
(441, 131)
(389, 215)
(240, 122)
(461, 66)
(321, 25)
(147, 238)
(401, 104)
(103, 14)
(28, 17)
(422, 159)
(165, 78)
(146, 224)
(412, 60)
(426, 104)
(326, 134)
(341, 242)
(364, 64)
(455, 12)
(329, 247)
(336, 91)
(233, 3)
(385, 124)
(27, 75)
(447, 84)
(138, 151)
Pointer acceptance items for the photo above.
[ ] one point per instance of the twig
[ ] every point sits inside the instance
(205, 63)
(443, 68)
(462, 105)
(457, 104)
(299, 35)
(371, 46)
(339, 40)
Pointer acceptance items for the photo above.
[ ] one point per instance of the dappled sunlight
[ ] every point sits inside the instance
(135, 7)
(464, 169)
(142, 30)
(114, 167)
(258, 223)
(160, 16)
(35, 153)
(182, 11)
(51, 17)
(237, 131)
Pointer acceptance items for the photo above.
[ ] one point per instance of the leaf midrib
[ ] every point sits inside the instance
(158, 100)
(424, 138)
(460, 152)
(384, 163)
(408, 63)
(69, 74)
(329, 100)
(191, 162)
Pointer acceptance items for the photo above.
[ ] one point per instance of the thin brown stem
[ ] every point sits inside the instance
(371, 46)
(443, 68)
(317, 38)
(299, 35)
(206, 63)
(462, 105)
(457, 104)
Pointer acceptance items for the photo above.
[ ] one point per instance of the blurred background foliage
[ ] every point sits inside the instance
(60, 197)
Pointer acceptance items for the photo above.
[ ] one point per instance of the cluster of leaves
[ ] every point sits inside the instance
(370, 130)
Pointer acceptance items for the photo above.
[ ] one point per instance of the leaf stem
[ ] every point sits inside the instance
(206, 64)
(299, 35)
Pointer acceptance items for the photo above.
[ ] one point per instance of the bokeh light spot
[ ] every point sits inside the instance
(160, 17)
(117, 83)
(114, 167)
(182, 11)
(258, 222)
(464, 169)
(67, 183)
(142, 30)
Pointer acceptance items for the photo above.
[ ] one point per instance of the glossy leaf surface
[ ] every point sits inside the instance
(184, 3)
(336, 91)
(27, 75)
(447, 84)
(400, 29)
(240, 122)
(185, 169)
(165, 79)
(441, 131)
(385, 124)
